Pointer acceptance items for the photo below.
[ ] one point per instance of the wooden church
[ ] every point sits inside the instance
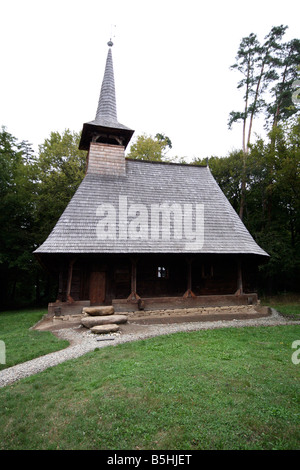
(146, 235)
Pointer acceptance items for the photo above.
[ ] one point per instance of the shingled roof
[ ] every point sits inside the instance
(127, 206)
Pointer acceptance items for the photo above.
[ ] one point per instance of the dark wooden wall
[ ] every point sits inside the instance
(104, 278)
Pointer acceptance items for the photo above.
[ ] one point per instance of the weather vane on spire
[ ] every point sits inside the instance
(110, 43)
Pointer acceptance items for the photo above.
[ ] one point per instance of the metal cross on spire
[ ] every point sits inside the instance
(110, 43)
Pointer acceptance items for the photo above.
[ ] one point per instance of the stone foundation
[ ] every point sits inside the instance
(158, 304)
(199, 314)
(173, 303)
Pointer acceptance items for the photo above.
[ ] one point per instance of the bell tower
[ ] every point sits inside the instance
(105, 138)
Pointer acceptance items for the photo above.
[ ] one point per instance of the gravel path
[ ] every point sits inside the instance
(81, 343)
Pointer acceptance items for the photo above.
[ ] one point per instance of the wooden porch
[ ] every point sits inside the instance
(149, 283)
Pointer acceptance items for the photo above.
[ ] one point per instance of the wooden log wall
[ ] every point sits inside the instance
(156, 276)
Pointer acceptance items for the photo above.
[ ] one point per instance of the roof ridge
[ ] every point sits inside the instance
(165, 162)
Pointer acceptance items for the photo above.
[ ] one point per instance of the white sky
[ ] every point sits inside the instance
(171, 62)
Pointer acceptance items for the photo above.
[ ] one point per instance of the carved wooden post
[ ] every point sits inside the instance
(133, 295)
(239, 277)
(69, 283)
(133, 276)
(60, 285)
(189, 292)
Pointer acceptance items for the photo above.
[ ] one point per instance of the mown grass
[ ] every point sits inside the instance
(231, 388)
(21, 343)
(286, 304)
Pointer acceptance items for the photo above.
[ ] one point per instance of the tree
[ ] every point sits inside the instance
(286, 63)
(272, 203)
(34, 191)
(60, 169)
(266, 67)
(16, 218)
(150, 148)
(258, 63)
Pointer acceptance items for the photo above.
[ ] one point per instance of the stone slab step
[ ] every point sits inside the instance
(102, 329)
(102, 310)
(89, 322)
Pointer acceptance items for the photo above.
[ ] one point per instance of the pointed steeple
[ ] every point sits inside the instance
(105, 128)
(107, 106)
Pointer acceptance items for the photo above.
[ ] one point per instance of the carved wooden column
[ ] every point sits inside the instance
(133, 295)
(239, 277)
(60, 285)
(69, 283)
(189, 292)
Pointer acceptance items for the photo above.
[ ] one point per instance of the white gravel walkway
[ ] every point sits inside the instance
(87, 341)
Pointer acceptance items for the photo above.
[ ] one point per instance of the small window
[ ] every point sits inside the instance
(207, 271)
(162, 272)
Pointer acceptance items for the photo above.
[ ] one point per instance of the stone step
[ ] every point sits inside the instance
(102, 329)
(101, 310)
(89, 322)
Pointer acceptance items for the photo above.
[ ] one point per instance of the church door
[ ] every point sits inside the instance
(97, 287)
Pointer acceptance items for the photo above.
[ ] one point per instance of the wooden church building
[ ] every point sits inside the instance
(146, 235)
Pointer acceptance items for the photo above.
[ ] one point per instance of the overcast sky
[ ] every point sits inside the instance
(171, 61)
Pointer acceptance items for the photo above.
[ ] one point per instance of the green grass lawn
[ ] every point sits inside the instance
(231, 388)
(286, 304)
(23, 344)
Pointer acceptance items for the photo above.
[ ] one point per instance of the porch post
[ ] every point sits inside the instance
(133, 295)
(69, 283)
(60, 285)
(239, 277)
(189, 292)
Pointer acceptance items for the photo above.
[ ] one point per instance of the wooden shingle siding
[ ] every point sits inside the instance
(105, 159)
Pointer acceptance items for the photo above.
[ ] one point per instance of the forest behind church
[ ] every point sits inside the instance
(261, 180)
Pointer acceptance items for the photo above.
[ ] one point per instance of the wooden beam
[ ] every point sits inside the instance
(189, 292)
(60, 286)
(239, 277)
(69, 283)
(133, 295)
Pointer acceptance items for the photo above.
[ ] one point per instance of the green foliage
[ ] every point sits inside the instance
(286, 64)
(272, 200)
(34, 191)
(268, 71)
(59, 170)
(150, 148)
(16, 216)
(277, 224)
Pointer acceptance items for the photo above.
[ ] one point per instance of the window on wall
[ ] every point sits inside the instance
(162, 272)
(207, 271)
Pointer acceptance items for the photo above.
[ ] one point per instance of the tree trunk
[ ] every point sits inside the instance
(243, 188)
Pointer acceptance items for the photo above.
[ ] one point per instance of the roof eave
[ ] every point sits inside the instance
(91, 131)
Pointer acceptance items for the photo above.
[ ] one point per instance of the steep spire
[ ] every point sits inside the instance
(105, 128)
(107, 107)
